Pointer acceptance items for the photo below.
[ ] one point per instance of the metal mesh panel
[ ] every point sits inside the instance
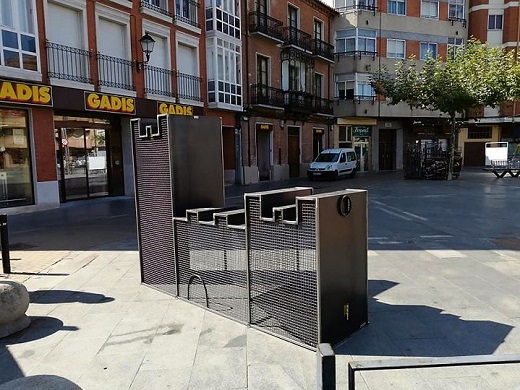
(154, 207)
(283, 282)
(212, 259)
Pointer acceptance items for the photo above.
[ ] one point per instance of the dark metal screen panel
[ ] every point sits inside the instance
(154, 207)
(282, 262)
(212, 261)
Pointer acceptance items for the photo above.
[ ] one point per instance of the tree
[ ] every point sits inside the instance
(472, 76)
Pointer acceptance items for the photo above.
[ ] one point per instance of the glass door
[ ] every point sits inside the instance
(81, 163)
(361, 149)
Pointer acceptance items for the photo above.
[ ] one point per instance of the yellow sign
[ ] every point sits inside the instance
(175, 109)
(264, 126)
(109, 103)
(14, 92)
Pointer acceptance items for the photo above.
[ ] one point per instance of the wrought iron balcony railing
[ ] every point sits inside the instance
(189, 87)
(356, 53)
(156, 5)
(323, 106)
(186, 11)
(301, 102)
(267, 96)
(172, 83)
(68, 63)
(267, 25)
(293, 36)
(159, 81)
(115, 72)
(323, 49)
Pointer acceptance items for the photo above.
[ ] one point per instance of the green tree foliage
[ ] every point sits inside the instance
(473, 76)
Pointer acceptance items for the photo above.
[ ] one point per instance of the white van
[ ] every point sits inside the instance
(333, 163)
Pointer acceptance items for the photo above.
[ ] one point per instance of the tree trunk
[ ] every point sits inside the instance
(451, 156)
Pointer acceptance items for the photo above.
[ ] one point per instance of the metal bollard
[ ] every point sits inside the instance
(4, 243)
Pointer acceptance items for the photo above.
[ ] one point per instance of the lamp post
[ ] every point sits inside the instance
(146, 43)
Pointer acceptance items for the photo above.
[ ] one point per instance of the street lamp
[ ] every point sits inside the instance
(146, 43)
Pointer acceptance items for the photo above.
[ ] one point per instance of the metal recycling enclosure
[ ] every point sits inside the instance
(290, 262)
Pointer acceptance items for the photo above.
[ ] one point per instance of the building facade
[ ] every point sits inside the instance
(73, 73)
(498, 23)
(288, 114)
(373, 35)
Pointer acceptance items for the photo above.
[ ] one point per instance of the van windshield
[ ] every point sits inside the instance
(327, 157)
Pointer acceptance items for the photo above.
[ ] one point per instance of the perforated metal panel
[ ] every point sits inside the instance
(154, 206)
(212, 263)
(283, 282)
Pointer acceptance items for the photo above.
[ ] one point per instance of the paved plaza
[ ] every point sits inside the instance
(444, 278)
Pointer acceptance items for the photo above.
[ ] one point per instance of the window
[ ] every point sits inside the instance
(318, 30)
(15, 159)
(396, 7)
(261, 6)
(156, 5)
(454, 44)
(318, 85)
(262, 71)
(294, 78)
(456, 9)
(344, 136)
(356, 41)
(428, 50)
(495, 22)
(395, 48)
(186, 11)
(225, 17)
(224, 72)
(292, 16)
(481, 132)
(18, 38)
(364, 91)
(355, 4)
(429, 9)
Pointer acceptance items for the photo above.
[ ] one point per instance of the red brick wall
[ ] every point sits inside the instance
(45, 152)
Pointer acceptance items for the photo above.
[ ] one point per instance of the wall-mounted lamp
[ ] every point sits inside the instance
(146, 43)
(282, 123)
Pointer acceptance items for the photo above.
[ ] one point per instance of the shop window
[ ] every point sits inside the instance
(344, 137)
(15, 159)
(483, 132)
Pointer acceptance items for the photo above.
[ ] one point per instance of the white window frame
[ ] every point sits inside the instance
(454, 44)
(397, 2)
(7, 71)
(458, 5)
(495, 17)
(426, 9)
(394, 53)
(357, 36)
(194, 42)
(423, 54)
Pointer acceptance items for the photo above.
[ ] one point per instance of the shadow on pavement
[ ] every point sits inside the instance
(419, 331)
(67, 296)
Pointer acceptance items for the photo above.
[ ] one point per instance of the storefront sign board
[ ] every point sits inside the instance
(25, 93)
(95, 101)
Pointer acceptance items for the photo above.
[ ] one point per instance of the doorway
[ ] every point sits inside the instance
(317, 142)
(386, 149)
(293, 146)
(84, 156)
(263, 149)
(361, 149)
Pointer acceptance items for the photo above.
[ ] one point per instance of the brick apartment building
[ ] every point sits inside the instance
(288, 112)
(370, 35)
(73, 73)
(497, 23)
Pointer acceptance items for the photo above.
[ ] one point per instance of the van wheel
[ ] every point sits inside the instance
(353, 173)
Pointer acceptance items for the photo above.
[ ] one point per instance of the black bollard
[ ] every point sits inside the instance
(4, 242)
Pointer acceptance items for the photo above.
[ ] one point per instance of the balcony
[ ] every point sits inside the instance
(323, 106)
(323, 49)
(171, 83)
(356, 54)
(157, 6)
(299, 38)
(115, 72)
(265, 25)
(68, 63)
(186, 11)
(299, 102)
(262, 95)
(188, 87)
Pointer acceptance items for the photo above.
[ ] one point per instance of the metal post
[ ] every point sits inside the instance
(4, 242)
(326, 367)
(351, 378)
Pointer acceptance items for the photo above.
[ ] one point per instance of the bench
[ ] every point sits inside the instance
(503, 167)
